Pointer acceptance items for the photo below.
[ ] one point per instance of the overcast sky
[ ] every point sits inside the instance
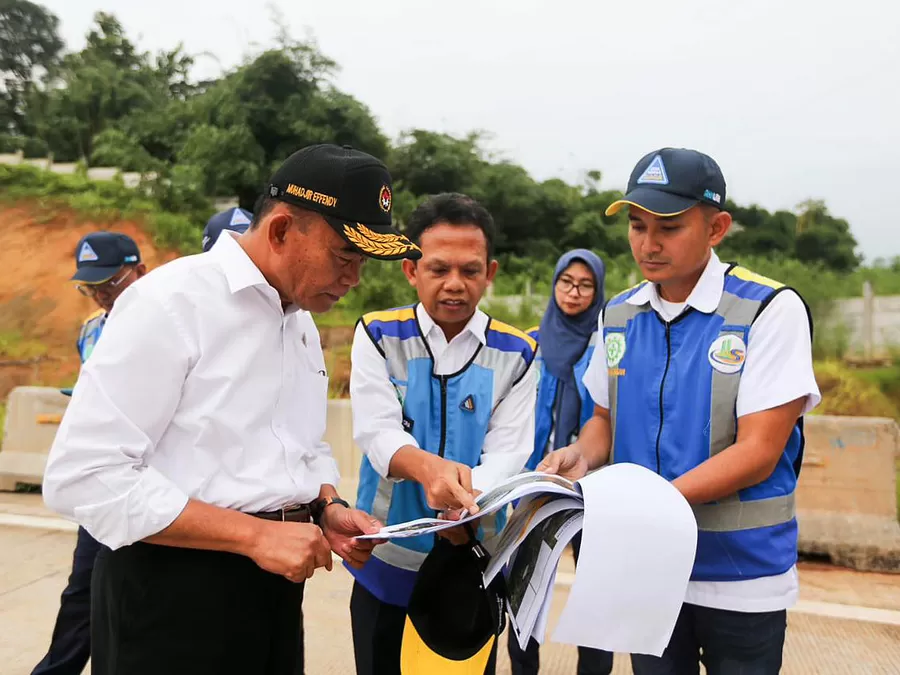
(793, 100)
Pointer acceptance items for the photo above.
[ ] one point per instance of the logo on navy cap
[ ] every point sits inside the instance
(655, 173)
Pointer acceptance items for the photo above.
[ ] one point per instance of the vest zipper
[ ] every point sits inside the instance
(662, 387)
(443, 415)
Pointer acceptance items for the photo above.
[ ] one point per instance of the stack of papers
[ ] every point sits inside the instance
(639, 538)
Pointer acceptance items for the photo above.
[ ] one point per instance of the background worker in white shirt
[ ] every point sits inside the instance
(443, 407)
(706, 373)
(192, 448)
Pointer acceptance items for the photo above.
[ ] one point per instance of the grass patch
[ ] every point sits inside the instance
(522, 317)
(174, 222)
(15, 347)
(337, 362)
(846, 392)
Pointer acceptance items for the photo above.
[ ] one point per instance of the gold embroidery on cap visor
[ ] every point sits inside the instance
(377, 244)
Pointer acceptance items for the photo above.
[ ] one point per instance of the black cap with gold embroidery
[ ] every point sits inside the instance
(351, 190)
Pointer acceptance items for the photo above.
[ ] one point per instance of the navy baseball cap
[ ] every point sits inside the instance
(669, 181)
(99, 255)
(351, 189)
(235, 219)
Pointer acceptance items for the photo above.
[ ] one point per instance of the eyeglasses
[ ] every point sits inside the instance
(566, 285)
(106, 288)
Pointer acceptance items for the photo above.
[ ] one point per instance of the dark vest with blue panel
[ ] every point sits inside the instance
(90, 333)
(548, 388)
(448, 415)
(673, 390)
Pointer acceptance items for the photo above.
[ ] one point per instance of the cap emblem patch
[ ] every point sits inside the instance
(375, 243)
(239, 218)
(87, 253)
(385, 199)
(655, 173)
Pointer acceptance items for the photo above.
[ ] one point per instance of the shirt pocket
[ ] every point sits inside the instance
(310, 406)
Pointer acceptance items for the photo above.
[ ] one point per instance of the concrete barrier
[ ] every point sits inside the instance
(847, 494)
(33, 415)
(32, 418)
(846, 498)
(339, 435)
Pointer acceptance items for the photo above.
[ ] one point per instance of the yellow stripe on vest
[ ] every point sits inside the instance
(746, 275)
(404, 314)
(99, 312)
(501, 327)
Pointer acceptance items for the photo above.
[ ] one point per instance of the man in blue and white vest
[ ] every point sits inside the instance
(106, 264)
(705, 377)
(443, 408)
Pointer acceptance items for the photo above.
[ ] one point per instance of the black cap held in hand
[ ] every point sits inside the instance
(669, 181)
(351, 190)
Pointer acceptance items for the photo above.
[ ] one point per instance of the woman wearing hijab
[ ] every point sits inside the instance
(566, 337)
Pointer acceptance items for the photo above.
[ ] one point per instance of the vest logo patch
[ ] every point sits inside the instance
(727, 354)
(468, 405)
(655, 173)
(87, 254)
(407, 424)
(615, 348)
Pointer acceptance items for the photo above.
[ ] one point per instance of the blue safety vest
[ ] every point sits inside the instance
(673, 389)
(546, 398)
(90, 333)
(448, 415)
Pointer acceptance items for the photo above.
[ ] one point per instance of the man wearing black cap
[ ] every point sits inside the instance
(106, 264)
(200, 464)
(705, 379)
(234, 219)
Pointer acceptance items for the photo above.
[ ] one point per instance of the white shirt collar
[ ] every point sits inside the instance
(704, 297)
(477, 325)
(240, 270)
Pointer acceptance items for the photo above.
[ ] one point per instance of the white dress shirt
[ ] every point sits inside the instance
(201, 387)
(378, 414)
(778, 370)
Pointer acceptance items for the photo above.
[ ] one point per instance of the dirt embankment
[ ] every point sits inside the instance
(41, 312)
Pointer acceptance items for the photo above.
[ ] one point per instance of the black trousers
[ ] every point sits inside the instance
(70, 645)
(159, 609)
(378, 635)
(726, 642)
(528, 661)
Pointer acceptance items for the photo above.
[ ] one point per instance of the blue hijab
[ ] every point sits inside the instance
(563, 341)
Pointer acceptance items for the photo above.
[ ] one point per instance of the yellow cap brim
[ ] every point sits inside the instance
(616, 206)
(416, 658)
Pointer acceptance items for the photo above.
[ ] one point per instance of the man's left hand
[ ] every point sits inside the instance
(340, 525)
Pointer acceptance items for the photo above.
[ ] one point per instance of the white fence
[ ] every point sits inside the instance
(131, 179)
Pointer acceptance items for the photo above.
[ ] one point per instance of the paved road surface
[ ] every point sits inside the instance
(34, 564)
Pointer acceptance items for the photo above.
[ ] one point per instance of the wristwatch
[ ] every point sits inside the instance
(317, 508)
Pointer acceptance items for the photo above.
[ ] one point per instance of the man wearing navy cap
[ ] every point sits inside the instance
(193, 446)
(235, 219)
(705, 378)
(106, 263)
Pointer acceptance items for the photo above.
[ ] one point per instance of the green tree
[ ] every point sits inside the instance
(825, 239)
(29, 48)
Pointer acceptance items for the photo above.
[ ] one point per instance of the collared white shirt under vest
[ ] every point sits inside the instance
(779, 369)
(378, 414)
